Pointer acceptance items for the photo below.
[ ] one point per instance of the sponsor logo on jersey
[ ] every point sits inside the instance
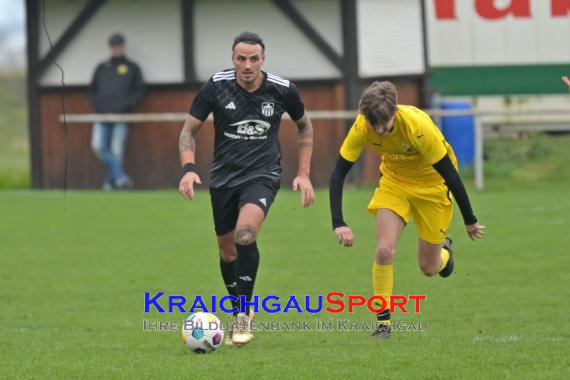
(251, 128)
(231, 106)
(267, 109)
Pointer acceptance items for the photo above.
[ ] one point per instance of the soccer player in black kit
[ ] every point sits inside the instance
(247, 104)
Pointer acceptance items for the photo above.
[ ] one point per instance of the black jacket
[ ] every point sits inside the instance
(117, 86)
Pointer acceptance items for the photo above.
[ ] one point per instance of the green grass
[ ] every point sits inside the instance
(536, 158)
(74, 268)
(14, 145)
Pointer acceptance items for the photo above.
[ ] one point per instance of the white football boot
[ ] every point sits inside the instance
(230, 333)
(242, 335)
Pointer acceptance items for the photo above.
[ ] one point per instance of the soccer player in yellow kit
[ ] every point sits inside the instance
(419, 170)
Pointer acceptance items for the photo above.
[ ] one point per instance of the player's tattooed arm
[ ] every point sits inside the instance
(305, 144)
(302, 181)
(187, 141)
(304, 132)
(187, 149)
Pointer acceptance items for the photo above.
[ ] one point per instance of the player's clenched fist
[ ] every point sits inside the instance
(186, 186)
(344, 235)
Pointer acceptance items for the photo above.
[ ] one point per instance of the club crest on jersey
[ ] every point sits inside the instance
(267, 109)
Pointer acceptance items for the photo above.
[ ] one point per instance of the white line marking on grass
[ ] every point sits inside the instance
(500, 339)
(513, 338)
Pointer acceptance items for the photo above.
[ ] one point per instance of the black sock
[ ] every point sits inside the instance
(247, 264)
(229, 275)
(384, 316)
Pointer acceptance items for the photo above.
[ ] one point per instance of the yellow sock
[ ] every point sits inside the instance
(383, 282)
(444, 258)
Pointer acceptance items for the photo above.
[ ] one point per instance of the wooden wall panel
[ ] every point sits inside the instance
(152, 149)
(328, 135)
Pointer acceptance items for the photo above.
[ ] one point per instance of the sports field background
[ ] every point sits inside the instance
(74, 268)
(14, 145)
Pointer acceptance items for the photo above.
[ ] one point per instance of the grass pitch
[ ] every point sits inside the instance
(74, 269)
(14, 149)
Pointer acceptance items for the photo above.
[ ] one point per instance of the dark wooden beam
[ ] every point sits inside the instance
(188, 7)
(425, 88)
(350, 79)
(34, 127)
(69, 34)
(309, 31)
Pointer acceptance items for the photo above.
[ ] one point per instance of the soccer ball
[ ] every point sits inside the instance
(202, 333)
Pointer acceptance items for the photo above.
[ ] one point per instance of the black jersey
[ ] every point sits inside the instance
(246, 126)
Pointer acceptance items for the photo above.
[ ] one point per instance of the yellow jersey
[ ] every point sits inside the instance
(408, 151)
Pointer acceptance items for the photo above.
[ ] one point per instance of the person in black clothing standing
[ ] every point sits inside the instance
(247, 104)
(117, 87)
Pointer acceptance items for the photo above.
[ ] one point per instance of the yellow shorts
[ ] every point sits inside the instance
(430, 207)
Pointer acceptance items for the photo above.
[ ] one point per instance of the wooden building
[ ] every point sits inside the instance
(330, 48)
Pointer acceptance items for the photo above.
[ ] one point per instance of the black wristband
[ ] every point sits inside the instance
(470, 219)
(338, 223)
(189, 168)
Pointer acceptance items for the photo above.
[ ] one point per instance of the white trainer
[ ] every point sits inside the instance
(230, 333)
(242, 334)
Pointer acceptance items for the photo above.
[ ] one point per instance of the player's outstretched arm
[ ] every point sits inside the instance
(302, 181)
(336, 185)
(566, 81)
(446, 169)
(187, 149)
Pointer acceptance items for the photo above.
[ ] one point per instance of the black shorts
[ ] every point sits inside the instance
(226, 202)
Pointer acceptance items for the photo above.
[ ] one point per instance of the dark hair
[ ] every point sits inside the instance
(249, 38)
(117, 39)
(378, 103)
